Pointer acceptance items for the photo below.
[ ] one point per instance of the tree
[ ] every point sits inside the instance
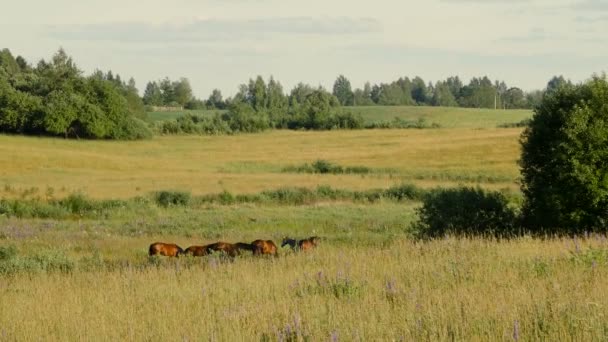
(514, 98)
(534, 98)
(299, 93)
(342, 90)
(215, 100)
(135, 103)
(277, 103)
(363, 97)
(479, 93)
(419, 91)
(556, 82)
(182, 91)
(442, 96)
(564, 161)
(167, 91)
(153, 96)
(455, 85)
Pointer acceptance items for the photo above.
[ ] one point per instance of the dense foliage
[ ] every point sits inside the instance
(564, 162)
(465, 212)
(54, 98)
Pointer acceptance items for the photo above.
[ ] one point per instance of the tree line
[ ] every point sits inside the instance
(55, 98)
(480, 92)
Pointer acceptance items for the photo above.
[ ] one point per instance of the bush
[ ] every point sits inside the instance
(400, 123)
(172, 198)
(404, 192)
(563, 164)
(465, 212)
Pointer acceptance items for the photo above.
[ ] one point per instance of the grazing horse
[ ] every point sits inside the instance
(265, 247)
(230, 249)
(196, 251)
(166, 249)
(304, 244)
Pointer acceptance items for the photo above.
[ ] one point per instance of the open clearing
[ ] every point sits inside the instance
(253, 162)
(90, 279)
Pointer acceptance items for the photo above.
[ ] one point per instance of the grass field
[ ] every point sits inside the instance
(364, 282)
(91, 278)
(251, 163)
(447, 117)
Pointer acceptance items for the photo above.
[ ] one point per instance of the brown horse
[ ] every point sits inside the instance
(196, 251)
(265, 247)
(166, 249)
(230, 249)
(304, 244)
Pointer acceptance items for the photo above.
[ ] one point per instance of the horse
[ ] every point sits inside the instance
(265, 247)
(230, 249)
(196, 251)
(166, 249)
(304, 244)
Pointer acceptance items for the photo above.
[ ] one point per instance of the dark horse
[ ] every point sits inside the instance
(265, 247)
(230, 249)
(166, 249)
(304, 244)
(196, 250)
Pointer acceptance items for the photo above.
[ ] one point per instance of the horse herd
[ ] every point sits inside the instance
(257, 247)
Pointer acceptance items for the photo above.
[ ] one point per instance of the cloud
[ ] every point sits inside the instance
(500, 2)
(216, 29)
(591, 20)
(591, 5)
(534, 35)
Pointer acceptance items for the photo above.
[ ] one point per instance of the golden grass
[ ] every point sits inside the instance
(251, 163)
(451, 289)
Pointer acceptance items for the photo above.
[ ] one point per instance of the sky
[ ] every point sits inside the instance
(223, 43)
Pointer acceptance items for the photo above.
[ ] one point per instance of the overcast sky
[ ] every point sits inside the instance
(222, 43)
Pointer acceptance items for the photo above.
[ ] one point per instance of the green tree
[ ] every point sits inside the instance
(182, 91)
(442, 96)
(167, 90)
(564, 161)
(455, 85)
(419, 91)
(216, 100)
(479, 93)
(514, 98)
(343, 91)
(299, 93)
(135, 104)
(556, 82)
(363, 97)
(153, 96)
(277, 103)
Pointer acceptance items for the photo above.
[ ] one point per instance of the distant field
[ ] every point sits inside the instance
(447, 117)
(253, 162)
(172, 115)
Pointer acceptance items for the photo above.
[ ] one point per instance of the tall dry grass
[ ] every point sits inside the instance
(452, 289)
(252, 163)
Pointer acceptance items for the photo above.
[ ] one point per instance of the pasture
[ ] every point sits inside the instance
(447, 117)
(254, 162)
(91, 278)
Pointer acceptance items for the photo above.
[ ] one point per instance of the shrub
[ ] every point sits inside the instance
(172, 198)
(404, 192)
(465, 211)
(563, 163)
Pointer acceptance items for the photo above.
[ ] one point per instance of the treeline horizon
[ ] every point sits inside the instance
(480, 92)
(55, 98)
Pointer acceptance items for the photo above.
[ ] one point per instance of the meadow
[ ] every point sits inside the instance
(447, 117)
(90, 278)
(255, 162)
